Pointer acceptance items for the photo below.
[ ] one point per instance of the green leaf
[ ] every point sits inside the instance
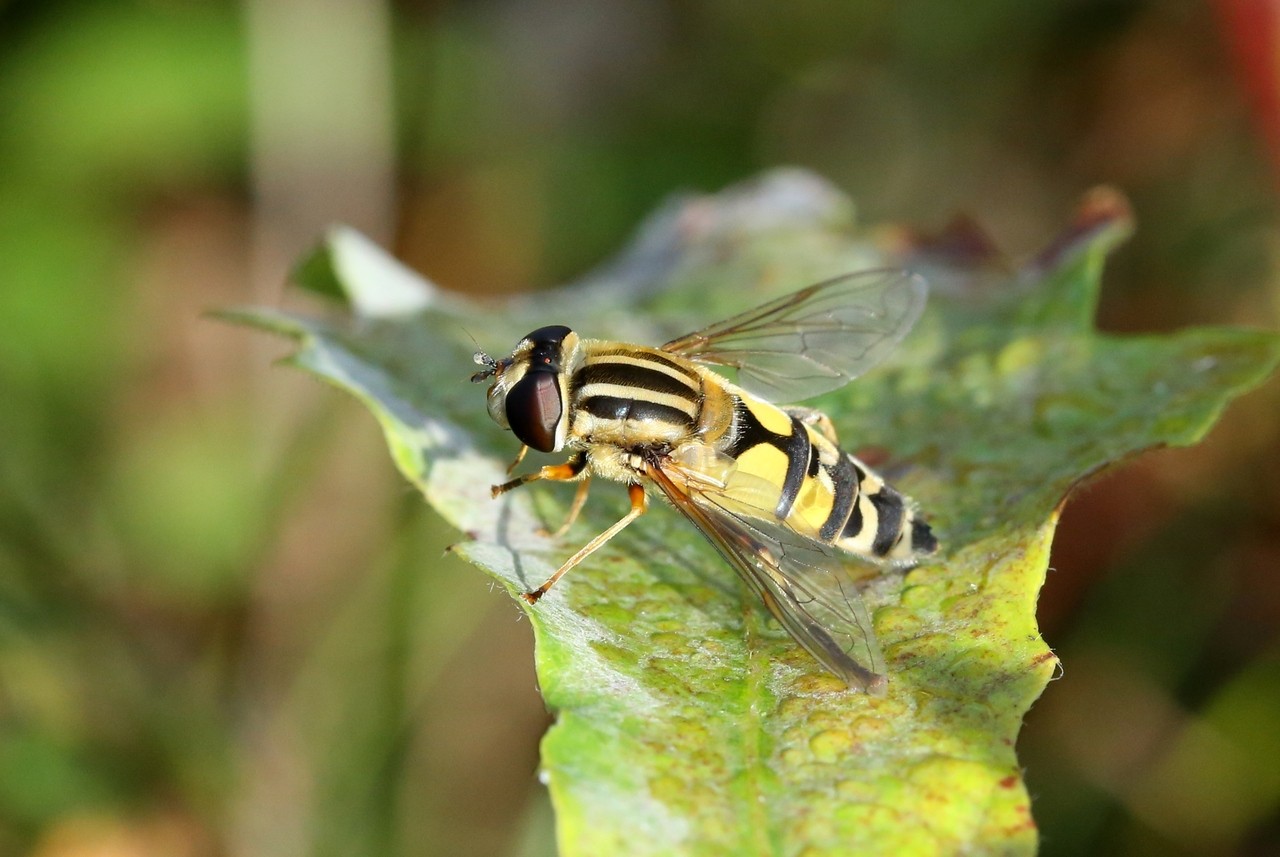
(688, 722)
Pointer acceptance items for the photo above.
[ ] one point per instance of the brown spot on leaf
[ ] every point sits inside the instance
(1103, 208)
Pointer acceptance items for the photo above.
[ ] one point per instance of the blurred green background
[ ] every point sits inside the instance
(225, 624)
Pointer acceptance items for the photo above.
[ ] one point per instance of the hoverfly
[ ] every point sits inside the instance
(768, 486)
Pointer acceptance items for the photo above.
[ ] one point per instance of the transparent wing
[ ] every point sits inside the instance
(800, 580)
(815, 340)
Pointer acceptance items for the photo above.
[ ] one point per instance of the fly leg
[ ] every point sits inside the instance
(579, 500)
(639, 504)
(566, 472)
(519, 458)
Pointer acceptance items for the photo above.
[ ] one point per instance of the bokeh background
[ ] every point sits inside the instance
(225, 624)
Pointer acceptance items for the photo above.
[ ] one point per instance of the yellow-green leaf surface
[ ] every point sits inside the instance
(687, 721)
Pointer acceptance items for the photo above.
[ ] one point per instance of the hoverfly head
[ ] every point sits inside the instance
(530, 390)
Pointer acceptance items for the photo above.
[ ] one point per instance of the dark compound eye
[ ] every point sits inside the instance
(534, 410)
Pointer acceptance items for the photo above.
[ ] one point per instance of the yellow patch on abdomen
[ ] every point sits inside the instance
(757, 479)
(770, 416)
(813, 506)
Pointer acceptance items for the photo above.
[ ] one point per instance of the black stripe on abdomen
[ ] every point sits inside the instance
(615, 408)
(922, 538)
(846, 482)
(890, 510)
(749, 432)
(798, 449)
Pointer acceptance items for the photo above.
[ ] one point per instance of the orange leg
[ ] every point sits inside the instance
(639, 503)
(555, 472)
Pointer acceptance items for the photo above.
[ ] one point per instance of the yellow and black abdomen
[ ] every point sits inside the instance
(817, 489)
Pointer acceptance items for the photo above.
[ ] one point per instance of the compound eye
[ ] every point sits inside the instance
(534, 410)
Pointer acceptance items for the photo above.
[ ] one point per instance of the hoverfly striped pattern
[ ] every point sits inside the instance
(768, 486)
